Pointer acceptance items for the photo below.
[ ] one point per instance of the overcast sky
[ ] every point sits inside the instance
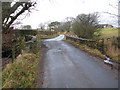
(58, 10)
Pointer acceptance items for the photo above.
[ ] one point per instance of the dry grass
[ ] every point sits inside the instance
(112, 52)
(22, 73)
(85, 48)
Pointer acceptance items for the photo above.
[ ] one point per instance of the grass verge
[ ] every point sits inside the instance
(85, 48)
(116, 59)
(22, 73)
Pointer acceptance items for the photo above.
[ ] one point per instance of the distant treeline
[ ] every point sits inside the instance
(34, 32)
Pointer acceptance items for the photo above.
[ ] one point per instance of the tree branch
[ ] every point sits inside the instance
(26, 7)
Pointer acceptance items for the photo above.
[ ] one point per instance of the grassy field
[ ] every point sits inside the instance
(109, 32)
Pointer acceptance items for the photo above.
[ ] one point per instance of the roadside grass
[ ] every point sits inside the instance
(109, 32)
(116, 59)
(109, 35)
(22, 72)
(112, 52)
(87, 49)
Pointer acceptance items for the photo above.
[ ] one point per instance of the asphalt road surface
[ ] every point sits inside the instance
(68, 67)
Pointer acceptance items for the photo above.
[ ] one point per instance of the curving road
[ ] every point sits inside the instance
(68, 67)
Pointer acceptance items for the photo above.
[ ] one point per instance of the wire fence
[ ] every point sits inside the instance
(18, 48)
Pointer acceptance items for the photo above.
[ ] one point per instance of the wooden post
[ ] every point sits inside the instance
(22, 45)
(13, 53)
(103, 49)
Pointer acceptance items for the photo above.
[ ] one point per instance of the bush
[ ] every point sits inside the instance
(85, 26)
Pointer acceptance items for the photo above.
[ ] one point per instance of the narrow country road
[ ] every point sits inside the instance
(68, 67)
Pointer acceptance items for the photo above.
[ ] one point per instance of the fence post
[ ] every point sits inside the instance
(22, 45)
(103, 46)
(13, 53)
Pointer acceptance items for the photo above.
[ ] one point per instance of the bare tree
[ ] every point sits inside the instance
(41, 26)
(85, 25)
(114, 17)
(11, 13)
(66, 25)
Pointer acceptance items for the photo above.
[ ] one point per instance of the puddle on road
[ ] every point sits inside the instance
(58, 51)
